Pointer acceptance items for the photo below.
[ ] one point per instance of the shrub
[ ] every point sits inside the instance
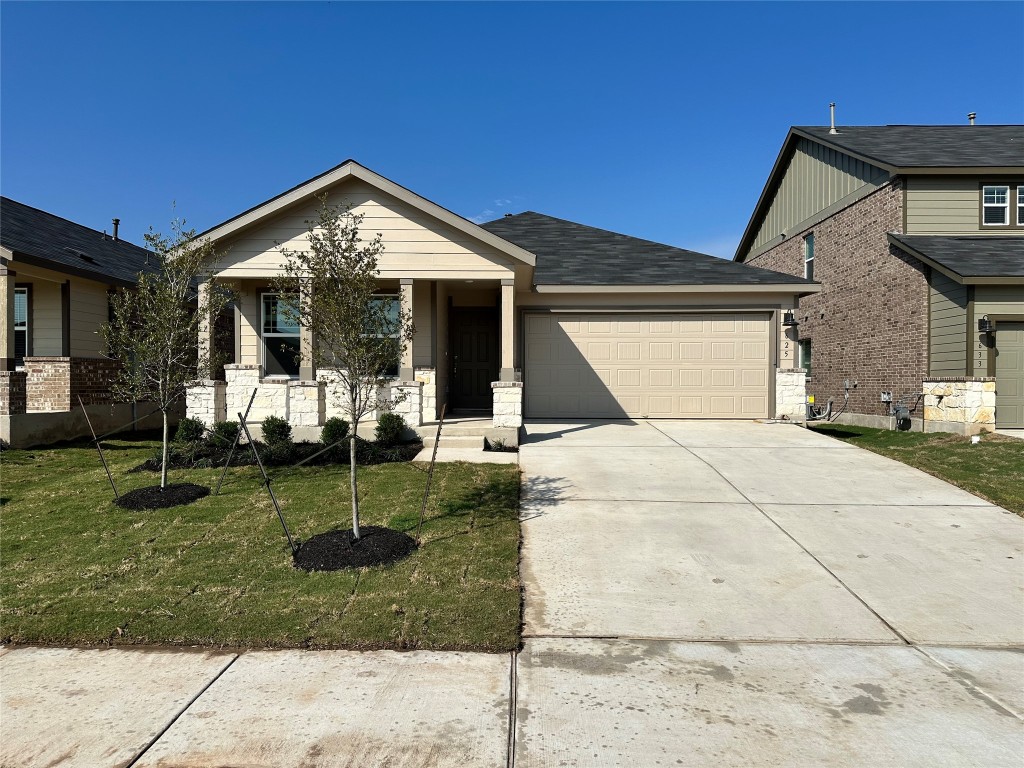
(277, 431)
(335, 429)
(276, 454)
(189, 431)
(226, 432)
(390, 427)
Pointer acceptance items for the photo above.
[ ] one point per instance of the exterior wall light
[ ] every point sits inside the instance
(788, 319)
(985, 325)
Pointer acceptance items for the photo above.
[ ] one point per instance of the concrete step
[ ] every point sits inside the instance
(456, 441)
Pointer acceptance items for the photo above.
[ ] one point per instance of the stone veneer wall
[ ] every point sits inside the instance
(870, 322)
(963, 405)
(206, 401)
(508, 404)
(790, 394)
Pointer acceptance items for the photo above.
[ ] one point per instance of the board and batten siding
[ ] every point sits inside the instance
(817, 178)
(416, 245)
(943, 205)
(947, 344)
(992, 300)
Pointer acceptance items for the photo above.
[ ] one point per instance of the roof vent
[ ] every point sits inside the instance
(971, 116)
(117, 223)
(80, 254)
(832, 116)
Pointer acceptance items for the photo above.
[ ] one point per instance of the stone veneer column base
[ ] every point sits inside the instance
(206, 401)
(508, 404)
(791, 394)
(409, 401)
(963, 405)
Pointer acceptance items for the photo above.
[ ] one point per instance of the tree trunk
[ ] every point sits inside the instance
(163, 463)
(355, 489)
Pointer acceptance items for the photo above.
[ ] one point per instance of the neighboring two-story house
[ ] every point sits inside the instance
(916, 234)
(55, 277)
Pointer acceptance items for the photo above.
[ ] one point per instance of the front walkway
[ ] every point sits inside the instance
(697, 593)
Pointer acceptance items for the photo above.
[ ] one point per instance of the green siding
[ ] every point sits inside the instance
(943, 205)
(947, 344)
(992, 300)
(816, 179)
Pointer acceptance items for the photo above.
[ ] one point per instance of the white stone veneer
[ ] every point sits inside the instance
(508, 403)
(791, 393)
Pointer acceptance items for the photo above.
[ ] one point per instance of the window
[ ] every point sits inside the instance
(804, 348)
(809, 256)
(1020, 206)
(995, 205)
(280, 335)
(20, 325)
(389, 305)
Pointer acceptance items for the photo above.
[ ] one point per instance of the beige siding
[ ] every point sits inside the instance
(948, 327)
(422, 346)
(88, 313)
(45, 323)
(817, 178)
(943, 205)
(415, 244)
(993, 300)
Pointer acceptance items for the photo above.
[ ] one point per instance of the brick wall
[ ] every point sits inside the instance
(12, 392)
(870, 321)
(55, 383)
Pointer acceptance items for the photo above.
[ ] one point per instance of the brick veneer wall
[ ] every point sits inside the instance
(55, 383)
(870, 322)
(12, 392)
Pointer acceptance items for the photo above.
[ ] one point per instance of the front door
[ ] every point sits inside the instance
(474, 346)
(1010, 375)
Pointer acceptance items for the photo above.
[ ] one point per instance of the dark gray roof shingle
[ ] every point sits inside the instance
(574, 254)
(970, 256)
(62, 245)
(929, 146)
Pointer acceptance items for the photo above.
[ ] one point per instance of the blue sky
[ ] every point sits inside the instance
(659, 120)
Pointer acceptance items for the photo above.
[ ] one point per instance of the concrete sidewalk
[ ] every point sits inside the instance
(697, 593)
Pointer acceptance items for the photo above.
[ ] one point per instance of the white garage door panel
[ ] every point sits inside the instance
(657, 366)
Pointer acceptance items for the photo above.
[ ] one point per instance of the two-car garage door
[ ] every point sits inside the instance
(647, 365)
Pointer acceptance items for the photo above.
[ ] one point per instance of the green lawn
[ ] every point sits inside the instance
(993, 469)
(75, 569)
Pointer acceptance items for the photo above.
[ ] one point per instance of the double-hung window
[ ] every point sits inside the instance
(995, 205)
(809, 256)
(388, 305)
(1020, 206)
(280, 335)
(21, 329)
(804, 348)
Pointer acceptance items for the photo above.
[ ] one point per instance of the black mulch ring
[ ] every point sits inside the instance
(335, 550)
(155, 497)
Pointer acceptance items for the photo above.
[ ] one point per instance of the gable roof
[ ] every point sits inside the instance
(899, 149)
(45, 240)
(352, 169)
(907, 147)
(573, 255)
(968, 260)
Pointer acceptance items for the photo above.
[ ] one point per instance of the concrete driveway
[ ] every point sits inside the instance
(733, 593)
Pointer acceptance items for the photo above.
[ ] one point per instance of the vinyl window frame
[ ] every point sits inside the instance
(1013, 202)
(26, 291)
(805, 356)
(397, 298)
(1020, 205)
(264, 335)
(809, 256)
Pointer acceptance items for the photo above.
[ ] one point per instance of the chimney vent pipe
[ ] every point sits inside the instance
(832, 114)
(117, 223)
(971, 116)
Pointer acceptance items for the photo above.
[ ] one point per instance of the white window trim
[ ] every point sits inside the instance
(264, 336)
(1020, 205)
(397, 297)
(28, 320)
(1005, 206)
(809, 240)
(801, 346)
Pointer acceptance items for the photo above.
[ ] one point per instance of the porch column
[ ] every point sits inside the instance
(405, 369)
(7, 276)
(205, 331)
(307, 369)
(508, 329)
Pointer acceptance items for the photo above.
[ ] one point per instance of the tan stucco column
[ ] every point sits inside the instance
(307, 368)
(7, 276)
(508, 329)
(205, 329)
(405, 368)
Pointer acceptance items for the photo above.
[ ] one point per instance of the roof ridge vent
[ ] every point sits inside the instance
(832, 118)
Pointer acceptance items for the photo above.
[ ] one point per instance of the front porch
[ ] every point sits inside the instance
(462, 359)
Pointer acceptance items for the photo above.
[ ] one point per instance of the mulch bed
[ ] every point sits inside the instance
(155, 497)
(335, 550)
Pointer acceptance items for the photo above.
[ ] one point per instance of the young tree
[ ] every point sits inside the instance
(154, 327)
(358, 333)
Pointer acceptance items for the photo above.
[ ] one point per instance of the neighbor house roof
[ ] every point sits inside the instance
(968, 260)
(928, 146)
(45, 240)
(899, 150)
(573, 255)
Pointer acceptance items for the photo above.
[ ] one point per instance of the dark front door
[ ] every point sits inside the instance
(474, 357)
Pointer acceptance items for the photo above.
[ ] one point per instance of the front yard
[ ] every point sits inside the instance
(993, 469)
(76, 569)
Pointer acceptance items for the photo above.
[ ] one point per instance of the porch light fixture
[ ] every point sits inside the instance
(985, 325)
(788, 319)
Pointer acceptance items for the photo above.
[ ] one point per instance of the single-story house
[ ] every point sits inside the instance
(55, 277)
(528, 315)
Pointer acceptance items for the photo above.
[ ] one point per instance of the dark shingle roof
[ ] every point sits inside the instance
(970, 256)
(574, 254)
(929, 146)
(46, 240)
